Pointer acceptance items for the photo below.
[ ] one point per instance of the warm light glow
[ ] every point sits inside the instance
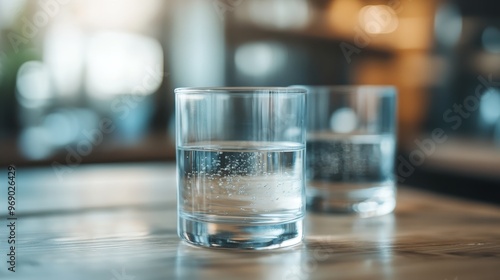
(378, 19)
(342, 16)
(412, 34)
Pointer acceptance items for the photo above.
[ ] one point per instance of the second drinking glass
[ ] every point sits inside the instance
(351, 148)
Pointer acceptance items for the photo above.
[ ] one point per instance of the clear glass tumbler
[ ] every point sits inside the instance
(351, 146)
(241, 166)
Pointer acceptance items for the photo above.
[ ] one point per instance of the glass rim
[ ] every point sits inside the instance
(347, 89)
(240, 90)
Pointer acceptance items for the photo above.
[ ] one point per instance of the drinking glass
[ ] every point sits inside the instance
(350, 149)
(240, 166)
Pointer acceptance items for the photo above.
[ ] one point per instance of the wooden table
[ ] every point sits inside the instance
(119, 222)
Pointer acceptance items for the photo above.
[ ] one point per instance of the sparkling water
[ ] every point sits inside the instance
(241, 191)
(351, 173)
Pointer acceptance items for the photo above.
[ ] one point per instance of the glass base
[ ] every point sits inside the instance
(354, 199)
(240, 236)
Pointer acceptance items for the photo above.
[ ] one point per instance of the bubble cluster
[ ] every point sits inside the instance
(240, 184)
(349, 159)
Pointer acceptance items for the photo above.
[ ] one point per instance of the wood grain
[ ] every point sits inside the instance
(119, 222)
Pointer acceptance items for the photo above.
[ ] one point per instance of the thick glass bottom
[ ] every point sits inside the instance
(353, 198)
(239, 235)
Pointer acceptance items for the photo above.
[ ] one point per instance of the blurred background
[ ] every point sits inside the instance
(86, 81)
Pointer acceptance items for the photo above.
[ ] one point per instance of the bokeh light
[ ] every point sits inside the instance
(260, 59)
(490, 106)
(378, 19)
(448, 24)
(33, 85)
(491, 39)
(121, 63)
(279, 14)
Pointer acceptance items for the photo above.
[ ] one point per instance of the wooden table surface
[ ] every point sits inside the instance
(118, 222)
